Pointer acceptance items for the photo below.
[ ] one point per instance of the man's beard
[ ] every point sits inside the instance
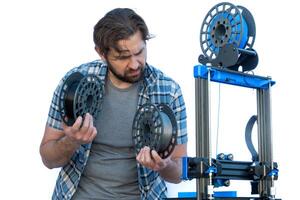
(126, 78)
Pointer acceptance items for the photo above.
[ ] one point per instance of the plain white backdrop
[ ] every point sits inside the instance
(41, 40)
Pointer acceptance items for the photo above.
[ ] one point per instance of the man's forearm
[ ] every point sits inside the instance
(172, 172)
(57, 153)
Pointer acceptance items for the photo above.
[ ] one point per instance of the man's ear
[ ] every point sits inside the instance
(100, 53)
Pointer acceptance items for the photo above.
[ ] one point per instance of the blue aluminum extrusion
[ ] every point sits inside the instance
(232, 77)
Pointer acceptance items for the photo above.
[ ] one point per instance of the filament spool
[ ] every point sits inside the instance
(155, 127)
(226, 24)
(80, 95)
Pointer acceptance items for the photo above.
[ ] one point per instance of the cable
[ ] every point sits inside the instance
(218, 119)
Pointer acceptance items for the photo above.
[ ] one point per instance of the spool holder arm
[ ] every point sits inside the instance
(232, 58)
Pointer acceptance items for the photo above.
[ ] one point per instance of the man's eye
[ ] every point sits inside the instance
(123, 57)
(139, 53)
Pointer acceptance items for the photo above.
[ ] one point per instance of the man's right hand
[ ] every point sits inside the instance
(58, 146)
(81, 134)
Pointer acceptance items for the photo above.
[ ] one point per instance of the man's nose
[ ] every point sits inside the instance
(134, 62)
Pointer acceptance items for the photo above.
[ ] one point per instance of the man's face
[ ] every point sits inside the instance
(128, 64)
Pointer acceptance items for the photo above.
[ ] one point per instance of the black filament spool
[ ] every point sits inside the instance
(80, 95)
(155, 127)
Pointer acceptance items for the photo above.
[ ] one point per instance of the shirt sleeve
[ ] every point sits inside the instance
(179, 110)
(54, 117)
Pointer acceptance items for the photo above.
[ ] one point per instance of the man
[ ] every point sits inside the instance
(97, 156)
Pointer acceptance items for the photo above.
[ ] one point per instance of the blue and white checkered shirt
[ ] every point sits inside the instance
(156, 89)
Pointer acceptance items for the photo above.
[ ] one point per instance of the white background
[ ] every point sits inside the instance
(41, 40)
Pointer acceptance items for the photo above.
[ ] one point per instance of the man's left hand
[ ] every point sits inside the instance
(150, 159)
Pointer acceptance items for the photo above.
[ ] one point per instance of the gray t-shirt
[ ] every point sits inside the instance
(111, 171)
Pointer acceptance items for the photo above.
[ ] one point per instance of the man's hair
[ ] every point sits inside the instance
(118, 24)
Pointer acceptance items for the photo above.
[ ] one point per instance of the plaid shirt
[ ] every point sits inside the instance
(156, 88)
